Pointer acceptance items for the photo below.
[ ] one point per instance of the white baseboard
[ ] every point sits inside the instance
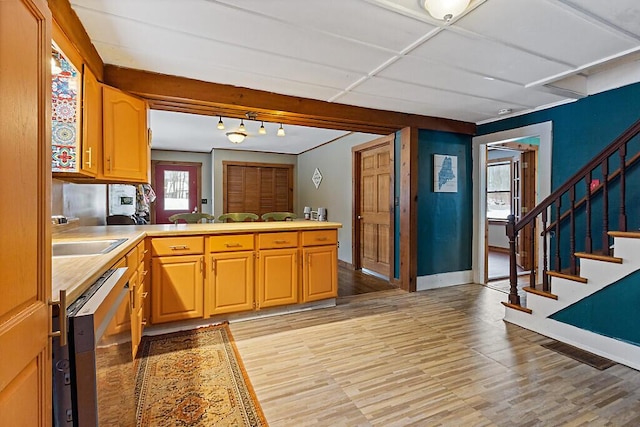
(443, 280)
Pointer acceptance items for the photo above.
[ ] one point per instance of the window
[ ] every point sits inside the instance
(498, 190)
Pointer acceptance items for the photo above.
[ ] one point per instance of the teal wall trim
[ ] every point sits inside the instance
(612, 311)
(445, 220)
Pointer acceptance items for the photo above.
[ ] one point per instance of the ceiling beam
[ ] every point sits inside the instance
(71, 26)
(173, 93)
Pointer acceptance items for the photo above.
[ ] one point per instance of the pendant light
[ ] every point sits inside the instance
(220, 124)
(280, 131)
(241, 128)
(262, 130)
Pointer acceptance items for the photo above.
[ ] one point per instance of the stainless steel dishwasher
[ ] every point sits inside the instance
(94, 375)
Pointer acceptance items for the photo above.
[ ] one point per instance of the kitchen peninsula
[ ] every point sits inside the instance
(195, 271)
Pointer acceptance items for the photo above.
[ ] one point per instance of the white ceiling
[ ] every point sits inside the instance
(518, 55)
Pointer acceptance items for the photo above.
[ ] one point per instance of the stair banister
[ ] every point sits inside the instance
(584, 173)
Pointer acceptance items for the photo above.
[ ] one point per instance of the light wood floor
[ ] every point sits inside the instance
(438, 357)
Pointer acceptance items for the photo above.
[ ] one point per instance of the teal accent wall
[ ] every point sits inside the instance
(445, 220)
(613, 311)
(581, 129)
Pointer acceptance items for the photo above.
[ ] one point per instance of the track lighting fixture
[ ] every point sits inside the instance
(220, 124)
(241, 128)
(262, 130)
(280, 131)
(240, 134)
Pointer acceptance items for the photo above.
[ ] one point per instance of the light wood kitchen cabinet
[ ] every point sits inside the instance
(126, 146)
(177, 278)
(231, 283)
(230, 287)
(91, 143)
(320, 265)
(139, 294)
(277, 269)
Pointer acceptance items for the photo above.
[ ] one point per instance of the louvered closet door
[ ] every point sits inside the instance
(257, 188)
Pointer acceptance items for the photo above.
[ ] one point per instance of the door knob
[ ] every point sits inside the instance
(359, 216)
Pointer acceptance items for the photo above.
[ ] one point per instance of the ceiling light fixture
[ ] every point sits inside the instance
(262, 130)
(220, 124)
(280, 131)
(236, 137)
(445, 10)
(241, 128)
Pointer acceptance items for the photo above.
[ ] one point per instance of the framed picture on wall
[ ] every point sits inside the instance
(445, 173)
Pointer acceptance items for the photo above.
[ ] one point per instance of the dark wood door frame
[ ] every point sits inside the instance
(154, 163)
(356, 234)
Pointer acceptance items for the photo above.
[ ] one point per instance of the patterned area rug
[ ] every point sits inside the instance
(194, 378)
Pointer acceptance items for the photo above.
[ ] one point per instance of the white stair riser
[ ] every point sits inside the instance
(605, 273)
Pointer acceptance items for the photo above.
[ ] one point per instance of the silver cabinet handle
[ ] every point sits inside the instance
(62, 305)
(179, 247)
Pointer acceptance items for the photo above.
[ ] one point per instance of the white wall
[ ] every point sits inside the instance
(335, 192)
(498, 236)
(218, 156)
(187, 156)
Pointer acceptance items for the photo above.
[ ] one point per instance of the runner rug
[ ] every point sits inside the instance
(194, 378)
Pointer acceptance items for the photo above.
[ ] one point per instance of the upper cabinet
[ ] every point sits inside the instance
(126, 149)
(99, 133)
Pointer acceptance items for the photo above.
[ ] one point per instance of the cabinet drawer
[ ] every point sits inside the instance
(278, 240)
(177, 245)
(142, 250)
(231, 242)
(319, 237)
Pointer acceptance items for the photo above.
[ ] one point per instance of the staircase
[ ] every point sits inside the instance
(578, 255)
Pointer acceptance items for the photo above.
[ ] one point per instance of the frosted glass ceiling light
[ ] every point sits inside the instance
(262, 130)
(220, 124)
(445, 10)
(280, 130)
(241, 128)
(236, 137)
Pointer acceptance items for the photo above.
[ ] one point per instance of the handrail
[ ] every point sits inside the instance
(584, 175)
(595, 190)
(625, 137)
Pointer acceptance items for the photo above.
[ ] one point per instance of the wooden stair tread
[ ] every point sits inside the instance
(598, 257)
(567, 276)
(517, 307)
(540, 292)
(628, 234)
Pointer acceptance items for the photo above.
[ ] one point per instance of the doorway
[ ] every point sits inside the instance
(373, 206)
(511, 190)
(178, 189)
(542, 131)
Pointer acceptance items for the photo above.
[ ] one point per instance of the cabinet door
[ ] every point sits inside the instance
(25, 286)
(277, 277)
(231, 282)
(126, 149)
(91, 144)
(320, 273)
(176, 288)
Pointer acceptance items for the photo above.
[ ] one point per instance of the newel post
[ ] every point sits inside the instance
(514, 298)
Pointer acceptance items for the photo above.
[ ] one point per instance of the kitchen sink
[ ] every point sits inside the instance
(85, 247)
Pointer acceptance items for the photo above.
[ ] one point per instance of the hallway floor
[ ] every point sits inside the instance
(437, 357)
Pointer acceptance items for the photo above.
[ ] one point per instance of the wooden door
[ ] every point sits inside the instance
(230, 287)
(126, 146)
(277, 277)
(25, 241)
(178, 188)
(319, 273)
(374, 207)
(523, 199)
(257, 187)
(177, 288)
